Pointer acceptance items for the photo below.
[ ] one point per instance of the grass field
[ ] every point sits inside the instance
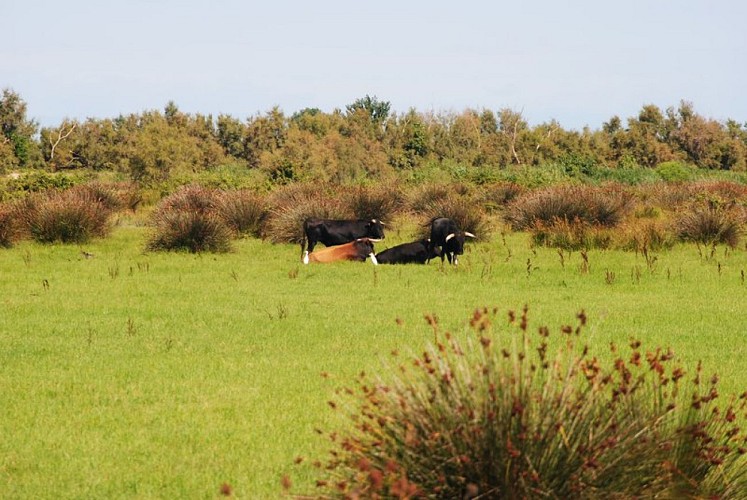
(166, 375)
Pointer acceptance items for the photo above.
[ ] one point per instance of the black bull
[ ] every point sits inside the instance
(448, 237)
(337, 232)
(416, 252)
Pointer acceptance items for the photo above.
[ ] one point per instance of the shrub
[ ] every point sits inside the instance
(289, 206)
(243, 211)
(570, 235)
(591, 205)
(497, 195)
(508, 412)
(189, 220)
(189, 230)
(711, 223)
(644, 234)
(374, 202)
(72, 216)
(425, 196)
(674, 171)
(9, 230)
(191, 198)
(463, 210)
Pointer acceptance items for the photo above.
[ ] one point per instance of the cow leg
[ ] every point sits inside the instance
(456, 260)
(306, 257)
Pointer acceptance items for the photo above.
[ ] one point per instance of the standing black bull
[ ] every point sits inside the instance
(448, 237)
(337, 232)
(416, 252)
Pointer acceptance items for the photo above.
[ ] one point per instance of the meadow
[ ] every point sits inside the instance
(127, 373)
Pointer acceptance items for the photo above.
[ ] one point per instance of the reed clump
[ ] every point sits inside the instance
(189, 219)
(509, 411)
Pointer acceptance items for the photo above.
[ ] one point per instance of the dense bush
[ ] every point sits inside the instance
(289, 206)
(674, 171)
(243, 211)
(381, 201)
(189, 230)
(591, 205)
(711, 223)
(72, 216)
(497, 195)
(189, 220)
(511, 413)
(455, 201)
(32, 181)
(9, 230)
(571, 235)
(644, 234)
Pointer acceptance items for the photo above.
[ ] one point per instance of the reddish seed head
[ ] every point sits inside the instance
(581, 317)
(285, 481)
(376, 477)
(226, 490)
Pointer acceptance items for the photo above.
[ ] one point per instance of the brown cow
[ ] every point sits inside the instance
(359, 250)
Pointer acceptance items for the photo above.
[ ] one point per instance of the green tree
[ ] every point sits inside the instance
(264, 134)
(706, 143)
(231, 134)
(19, 149)
(376, 110)
(645, 139)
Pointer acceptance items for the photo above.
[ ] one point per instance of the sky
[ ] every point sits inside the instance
(577, 62)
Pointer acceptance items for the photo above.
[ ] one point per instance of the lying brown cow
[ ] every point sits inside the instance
(359, 250)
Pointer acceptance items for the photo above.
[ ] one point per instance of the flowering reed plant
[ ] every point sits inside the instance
(508, 411)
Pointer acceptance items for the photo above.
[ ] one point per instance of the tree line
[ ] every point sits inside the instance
(365, 140)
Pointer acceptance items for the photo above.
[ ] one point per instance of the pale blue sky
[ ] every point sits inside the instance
(578, 62)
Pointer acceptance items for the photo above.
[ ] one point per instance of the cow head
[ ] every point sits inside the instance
(375, 229)
(455, 242)
(364, 247)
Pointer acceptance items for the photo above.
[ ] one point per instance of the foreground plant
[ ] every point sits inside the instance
(511, 413)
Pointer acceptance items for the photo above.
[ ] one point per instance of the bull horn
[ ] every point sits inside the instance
(373, 259)
(374, 239)
(451, 235)
(469, 234)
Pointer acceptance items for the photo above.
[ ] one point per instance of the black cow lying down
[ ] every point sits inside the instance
(416, 252)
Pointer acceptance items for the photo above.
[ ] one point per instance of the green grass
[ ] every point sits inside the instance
(165, 375)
